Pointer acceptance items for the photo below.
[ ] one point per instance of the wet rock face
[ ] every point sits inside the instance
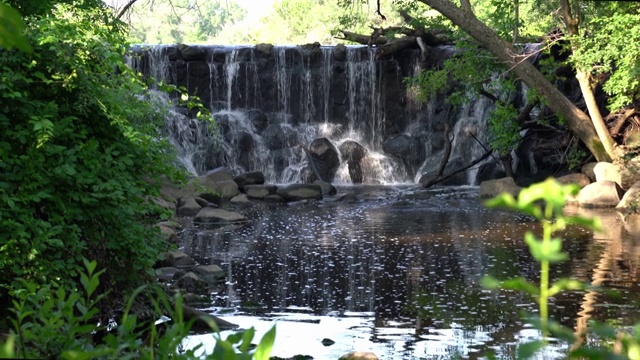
(325, 159)
(353, 152)
(408, 148)
(284, 91)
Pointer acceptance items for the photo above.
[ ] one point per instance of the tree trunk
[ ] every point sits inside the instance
(579, 122)
(572, 22)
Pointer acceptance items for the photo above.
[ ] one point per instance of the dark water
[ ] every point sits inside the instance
(396, 271)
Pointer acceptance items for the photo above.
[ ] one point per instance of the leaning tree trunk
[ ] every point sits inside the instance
(579, 122)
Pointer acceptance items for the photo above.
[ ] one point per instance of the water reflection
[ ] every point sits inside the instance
(405, 263)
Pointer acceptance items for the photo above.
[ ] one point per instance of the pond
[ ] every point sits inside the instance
(396, 270)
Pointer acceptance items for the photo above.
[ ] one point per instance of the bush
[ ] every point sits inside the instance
(53, 323)
(80, 155)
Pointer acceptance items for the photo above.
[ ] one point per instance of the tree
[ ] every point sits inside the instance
(579, 122)
(178, 21)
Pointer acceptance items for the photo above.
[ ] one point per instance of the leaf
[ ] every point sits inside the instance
(11, 28)
(247, 337)
(521, 284)
(6, 349)
(266, 344)
(549, 250)
(527, 350)
(223, 351)
(566, 284)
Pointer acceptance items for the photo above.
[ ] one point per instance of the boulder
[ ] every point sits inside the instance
(258, 119)
(178, 259)
(168, 234)
(327, 188)
(491, 188)
(264, 49)
(211, 198)
(227, 189)
(353, 152)
(579, 179)
(202, 202)
(188, 207)
(605, 171)
(165, 204)
(630, 173)
(191, 282)
(406, 147)
(249, 178)
(172, 192)
(240, 199)
(209, 273)
(631, 198)
(275, 198)
(587, 169)
(166, 273)
(297, 192)
(323, 158)
(218, 216)
(600, 194)
(260, 191)
(219, 182)
(340, 52)
(219, 174)
(279, 136)
(359, 355)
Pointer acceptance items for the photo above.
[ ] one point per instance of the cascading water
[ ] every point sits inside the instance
(271, 103)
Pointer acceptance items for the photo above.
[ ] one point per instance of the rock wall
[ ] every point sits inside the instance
(294, 95)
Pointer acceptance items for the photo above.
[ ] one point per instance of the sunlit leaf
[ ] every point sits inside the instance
(566, 284)
(266, 344)
(521, 284)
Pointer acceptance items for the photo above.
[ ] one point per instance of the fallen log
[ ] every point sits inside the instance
(395, 46)
(362, 39)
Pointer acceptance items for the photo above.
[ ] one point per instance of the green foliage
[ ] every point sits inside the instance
(606, 52)
(80, 155)
(474, 72)
(504, 129)
(182, 21)
(51, 322)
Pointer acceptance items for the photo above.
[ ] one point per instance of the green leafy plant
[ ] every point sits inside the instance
(50, 322)
(544, 202)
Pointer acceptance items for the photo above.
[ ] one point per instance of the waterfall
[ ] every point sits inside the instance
(271, 102)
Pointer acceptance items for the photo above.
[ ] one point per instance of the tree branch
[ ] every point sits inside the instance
(125, 8)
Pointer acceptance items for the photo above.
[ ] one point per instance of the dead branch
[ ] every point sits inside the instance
(620, 119)
(457, 171)
(125, 8)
